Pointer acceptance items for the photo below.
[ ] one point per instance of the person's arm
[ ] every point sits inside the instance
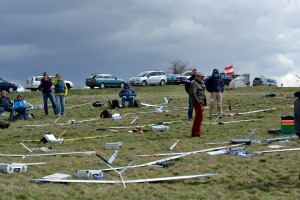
(133, 92)
(66, 90)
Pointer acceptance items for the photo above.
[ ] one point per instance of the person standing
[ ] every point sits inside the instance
(61, 90)
(46, 87)
(215, 86)
(6, 105)
(187, 89)
(297, 113)
(197, 94)
(127, 94)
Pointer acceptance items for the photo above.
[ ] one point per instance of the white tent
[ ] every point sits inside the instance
(239, 81)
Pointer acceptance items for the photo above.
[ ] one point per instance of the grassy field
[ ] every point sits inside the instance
(267, 176)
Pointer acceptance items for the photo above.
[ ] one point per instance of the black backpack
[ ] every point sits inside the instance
(105, 114)
(137, 103)
(114, 104)
(97, 104)
(4, 124)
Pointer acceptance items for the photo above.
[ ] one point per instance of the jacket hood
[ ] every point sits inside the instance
(215, 70)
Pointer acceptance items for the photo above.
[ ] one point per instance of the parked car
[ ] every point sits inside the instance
(104, 80)
(183, 77)
(225, 78)
(257, 81)
(33, 82)
(149, 78)
(171, 79)
(5, 85)
(270, 82)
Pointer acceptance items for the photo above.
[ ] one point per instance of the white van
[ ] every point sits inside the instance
(33, 82)
(149, 78)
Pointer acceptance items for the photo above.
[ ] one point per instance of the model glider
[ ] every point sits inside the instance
(125, 181)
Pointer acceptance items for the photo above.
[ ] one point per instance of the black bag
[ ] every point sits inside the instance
(114, 104)
(137, 103)
(97, 104)
(105, 114)
(287, 118)
(4, 124)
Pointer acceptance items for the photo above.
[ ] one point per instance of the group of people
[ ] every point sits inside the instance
(195, 87)
(60, 89)
(19, 106)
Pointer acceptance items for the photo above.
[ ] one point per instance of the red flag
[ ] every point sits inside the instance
(229, 70)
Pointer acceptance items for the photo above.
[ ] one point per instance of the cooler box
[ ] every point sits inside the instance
(287, 127)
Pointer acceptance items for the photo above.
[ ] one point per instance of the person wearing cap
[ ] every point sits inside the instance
(46, 88)
(127, 94)
(20, 106)
(6, 105)
(61, 90)
(215, 86)
(187, 89)
(297, 113)
(197, 94)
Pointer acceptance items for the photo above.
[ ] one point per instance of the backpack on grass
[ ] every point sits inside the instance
(105, 114)
(114, 104)
(137, 103)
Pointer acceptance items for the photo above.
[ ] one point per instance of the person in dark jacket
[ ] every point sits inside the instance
(187, 89)
(297, 113)
(127, 94)
(215, 87)
(197, 94)
(46, 87)
(6, 105)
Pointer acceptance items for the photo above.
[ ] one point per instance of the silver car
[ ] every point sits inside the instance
(149, 78)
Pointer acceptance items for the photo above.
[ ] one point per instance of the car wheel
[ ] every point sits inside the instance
(162, 82)
(102, 85)
(92, 87)
(10, 90)
(122, 84)
(144, 83)
(33, 89)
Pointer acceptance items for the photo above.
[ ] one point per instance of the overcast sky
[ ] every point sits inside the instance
(124, 37)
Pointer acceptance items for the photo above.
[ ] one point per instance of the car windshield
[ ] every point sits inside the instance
(142, 74)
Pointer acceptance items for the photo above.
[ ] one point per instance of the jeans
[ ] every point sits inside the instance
(190, 110)
(129, 99)
(50, 96)
(60, 104)
(8, 109)
(22, 111)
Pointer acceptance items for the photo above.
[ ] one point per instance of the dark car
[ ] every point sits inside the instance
(171, 79)
(257, 81)
(5, 85)
(104, 80)
(225, 78)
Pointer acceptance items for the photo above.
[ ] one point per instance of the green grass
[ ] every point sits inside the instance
(268, 176)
